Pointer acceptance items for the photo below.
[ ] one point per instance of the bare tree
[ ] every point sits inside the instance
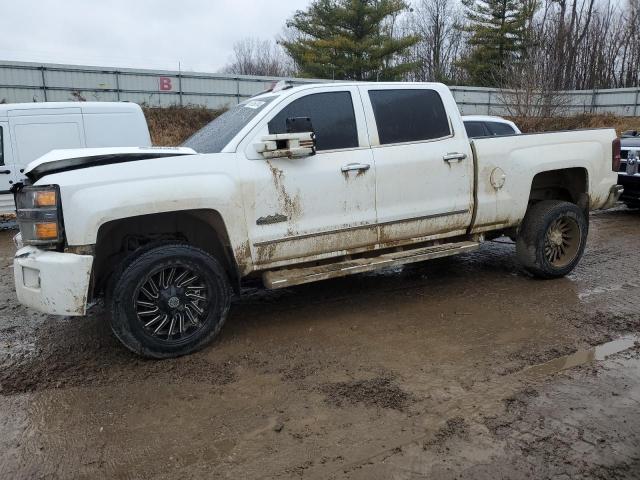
(573, 45)
(567, 45)
(438, 24)
(530, 93)
(588, 44)
(626, 70)
(252, 56)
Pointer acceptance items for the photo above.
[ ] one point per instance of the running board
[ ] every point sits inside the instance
(296, 276)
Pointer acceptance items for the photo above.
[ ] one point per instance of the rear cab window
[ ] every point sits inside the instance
(332, 116)
(409, 115)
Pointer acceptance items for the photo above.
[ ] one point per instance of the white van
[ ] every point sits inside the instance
(29, 130)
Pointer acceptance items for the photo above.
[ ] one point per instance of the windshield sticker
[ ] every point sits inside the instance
(254, 104)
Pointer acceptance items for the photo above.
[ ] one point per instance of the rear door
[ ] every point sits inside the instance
(423, 159)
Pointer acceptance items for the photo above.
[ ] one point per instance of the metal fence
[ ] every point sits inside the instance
(31, 82)
(491, 101)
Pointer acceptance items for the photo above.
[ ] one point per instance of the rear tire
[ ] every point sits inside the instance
(552, 238)
(171, 301)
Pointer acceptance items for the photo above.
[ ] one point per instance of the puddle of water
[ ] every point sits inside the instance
(582, 357)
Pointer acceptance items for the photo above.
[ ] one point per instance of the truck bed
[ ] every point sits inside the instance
(516, 160)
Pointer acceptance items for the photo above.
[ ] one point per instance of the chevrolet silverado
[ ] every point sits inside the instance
(295, 185)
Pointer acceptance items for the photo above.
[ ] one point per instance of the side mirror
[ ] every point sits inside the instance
(299, 141)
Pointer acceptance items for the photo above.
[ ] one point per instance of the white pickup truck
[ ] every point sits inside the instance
(292, 186)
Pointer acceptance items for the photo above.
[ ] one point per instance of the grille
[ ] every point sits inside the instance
(624, 155)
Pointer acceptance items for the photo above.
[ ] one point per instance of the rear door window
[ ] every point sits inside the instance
(332, 116)
(497, 128)
(407, 115)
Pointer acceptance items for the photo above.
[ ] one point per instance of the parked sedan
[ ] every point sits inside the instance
(479, 126)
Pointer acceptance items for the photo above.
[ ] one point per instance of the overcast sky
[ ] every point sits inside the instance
(137, 33)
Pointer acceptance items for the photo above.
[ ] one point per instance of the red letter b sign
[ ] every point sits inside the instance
(165, 84)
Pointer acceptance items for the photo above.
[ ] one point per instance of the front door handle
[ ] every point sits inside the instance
(458, 157)
(5, 172)
(355, 166)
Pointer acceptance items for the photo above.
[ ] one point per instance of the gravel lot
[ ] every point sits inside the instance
(457, 368)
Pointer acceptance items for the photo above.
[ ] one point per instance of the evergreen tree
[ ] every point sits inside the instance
(349, 40)
(497, 38)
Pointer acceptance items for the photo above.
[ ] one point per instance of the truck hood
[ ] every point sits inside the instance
(63, 160)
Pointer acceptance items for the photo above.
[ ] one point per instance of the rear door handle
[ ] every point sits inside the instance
(5, 172)
(355, 166)
(458, 157)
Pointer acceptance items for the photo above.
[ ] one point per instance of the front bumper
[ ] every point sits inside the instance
(631, 184)
(614, 196)
(52, 282)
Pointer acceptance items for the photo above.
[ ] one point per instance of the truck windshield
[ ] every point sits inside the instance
(213, 137)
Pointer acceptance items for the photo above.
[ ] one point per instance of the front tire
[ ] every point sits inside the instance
(171, 301)
(552, 238)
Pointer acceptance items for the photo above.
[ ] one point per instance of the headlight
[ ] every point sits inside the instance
(39, 215)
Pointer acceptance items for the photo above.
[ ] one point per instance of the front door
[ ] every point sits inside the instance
(316, 206)
(424, 163)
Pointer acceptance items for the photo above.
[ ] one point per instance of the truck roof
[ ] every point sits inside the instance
(11, 109)
(287, 90)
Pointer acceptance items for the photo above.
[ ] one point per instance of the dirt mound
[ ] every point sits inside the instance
(377, 392)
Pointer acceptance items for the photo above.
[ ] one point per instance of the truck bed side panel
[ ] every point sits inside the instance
(516, 159)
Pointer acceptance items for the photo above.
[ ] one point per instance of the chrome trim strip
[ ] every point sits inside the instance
(340, 230)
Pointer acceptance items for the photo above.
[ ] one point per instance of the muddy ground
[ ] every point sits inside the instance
(457, 368)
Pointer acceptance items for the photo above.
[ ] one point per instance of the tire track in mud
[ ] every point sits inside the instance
(63, 357)
(533, 419)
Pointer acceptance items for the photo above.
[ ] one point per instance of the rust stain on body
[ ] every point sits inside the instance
(266, 252)
(243, 254)
(291, 205)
